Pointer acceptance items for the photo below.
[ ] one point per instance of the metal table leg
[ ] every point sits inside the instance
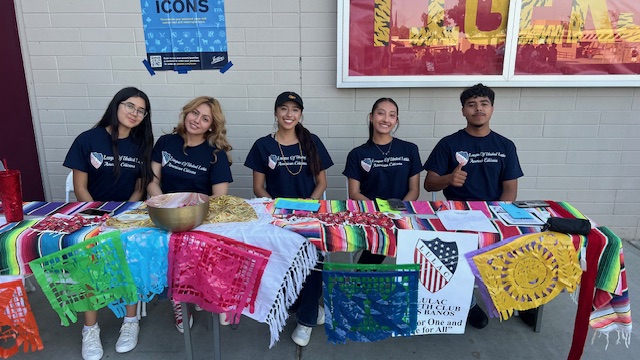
(215, 325)
(187, 331)
(538, 325)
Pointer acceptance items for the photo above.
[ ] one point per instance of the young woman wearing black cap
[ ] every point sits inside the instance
(291, 163)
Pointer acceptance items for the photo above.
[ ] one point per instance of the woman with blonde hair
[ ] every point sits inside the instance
(193, 158)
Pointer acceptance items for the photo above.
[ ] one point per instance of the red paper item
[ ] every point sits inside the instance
(67, 224)
(11, 195)
(18, 327)
(217, 273)
(350, 218)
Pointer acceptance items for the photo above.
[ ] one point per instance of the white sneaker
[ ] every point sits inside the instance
(320, 315)
(91, 345)
(128, 337)
(222, 317)
(301, 335)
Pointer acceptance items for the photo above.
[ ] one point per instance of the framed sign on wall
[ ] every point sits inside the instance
(452, 43)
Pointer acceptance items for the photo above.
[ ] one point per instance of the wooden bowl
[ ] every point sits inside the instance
(176, 219)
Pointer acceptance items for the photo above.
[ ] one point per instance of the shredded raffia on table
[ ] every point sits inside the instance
(228, 208)
(344, 231)
(222, 210)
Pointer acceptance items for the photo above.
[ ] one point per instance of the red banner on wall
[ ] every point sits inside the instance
(579, 37)
(420, 37)
(468, 37)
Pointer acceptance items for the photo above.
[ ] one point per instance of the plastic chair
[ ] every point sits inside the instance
(141, 309)
(68, 187)
(347, 186)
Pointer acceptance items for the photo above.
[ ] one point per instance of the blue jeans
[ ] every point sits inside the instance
(306, 307)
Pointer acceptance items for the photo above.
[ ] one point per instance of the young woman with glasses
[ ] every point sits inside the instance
(112, 162)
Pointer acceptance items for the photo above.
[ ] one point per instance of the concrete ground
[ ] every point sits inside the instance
(510, 339)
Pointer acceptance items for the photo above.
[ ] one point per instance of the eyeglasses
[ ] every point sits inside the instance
(130, 108)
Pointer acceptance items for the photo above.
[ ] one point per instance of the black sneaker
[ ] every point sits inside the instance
(529, 317)
(477, 318)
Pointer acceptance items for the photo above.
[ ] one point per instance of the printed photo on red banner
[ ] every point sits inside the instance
(420, 37)
(453, 43)
(578, 37)
(446, 281)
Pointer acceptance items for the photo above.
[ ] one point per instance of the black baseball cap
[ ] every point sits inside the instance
(288, 96)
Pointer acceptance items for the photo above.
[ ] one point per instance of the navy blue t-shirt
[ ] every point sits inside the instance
(194, 171)
(384, 176)
(492, 160)
(91, 153)
(280, 162)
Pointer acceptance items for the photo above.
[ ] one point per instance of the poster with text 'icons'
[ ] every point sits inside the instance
(185, 34)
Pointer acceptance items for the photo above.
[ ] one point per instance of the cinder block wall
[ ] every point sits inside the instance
(581, 145)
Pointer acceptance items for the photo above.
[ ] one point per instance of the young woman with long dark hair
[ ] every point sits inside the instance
(112, 162)
(291, 163)
(384, 167)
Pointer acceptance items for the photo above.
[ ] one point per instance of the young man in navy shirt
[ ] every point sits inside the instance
(475, 163)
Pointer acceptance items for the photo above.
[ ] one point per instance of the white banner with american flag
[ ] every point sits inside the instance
(446, 281)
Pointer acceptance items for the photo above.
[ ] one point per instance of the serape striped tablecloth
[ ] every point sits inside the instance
(603, 301)
(606, 311)
(19, 244)
(378, 240)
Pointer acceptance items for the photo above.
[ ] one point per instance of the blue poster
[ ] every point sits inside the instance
(185, 34)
